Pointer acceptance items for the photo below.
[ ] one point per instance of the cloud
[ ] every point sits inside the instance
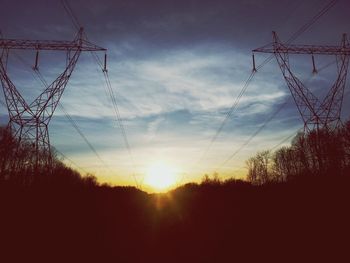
(176, 68)
(153, 127)
(171, 104)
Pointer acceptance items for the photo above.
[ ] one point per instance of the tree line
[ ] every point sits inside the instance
(17, 165)
(322, 152)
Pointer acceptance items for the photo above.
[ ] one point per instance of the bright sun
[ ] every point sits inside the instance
(161, 176)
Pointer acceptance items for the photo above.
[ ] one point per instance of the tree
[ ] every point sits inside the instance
(321, 152)
(259, 168)
(17, 166)
(7, 152)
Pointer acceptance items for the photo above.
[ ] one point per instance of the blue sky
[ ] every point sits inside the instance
(176, 68)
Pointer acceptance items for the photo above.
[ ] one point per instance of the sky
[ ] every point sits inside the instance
(176, 68)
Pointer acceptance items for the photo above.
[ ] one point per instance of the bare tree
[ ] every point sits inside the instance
(259, 168)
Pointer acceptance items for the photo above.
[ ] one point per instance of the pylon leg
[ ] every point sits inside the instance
(29, 123)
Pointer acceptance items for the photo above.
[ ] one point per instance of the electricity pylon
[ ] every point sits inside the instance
(29, 122)
(315, 113)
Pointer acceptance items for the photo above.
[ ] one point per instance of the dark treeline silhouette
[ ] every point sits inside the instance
(72, 218)
(18, 167)
(321, 153)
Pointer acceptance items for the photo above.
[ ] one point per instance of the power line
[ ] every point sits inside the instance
(313, 20)
(302, 29)
(74, 124)
(120, 123)
(265, 124)
(285, 139)
(112, 96)
(298, 130)
(291, 39)
(70, 14)
(70, 160)
(227, 116)
(69, 118)
(267, 121)
(295, 132)
(76, 127)
(233, 107)
(77, 24)
(108, 85)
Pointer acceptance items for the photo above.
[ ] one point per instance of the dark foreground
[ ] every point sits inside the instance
(298, 221)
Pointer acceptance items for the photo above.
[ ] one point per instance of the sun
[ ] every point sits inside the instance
(161, 176)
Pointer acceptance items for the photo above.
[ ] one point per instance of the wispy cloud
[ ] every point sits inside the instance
(175, 98)
(176, 69)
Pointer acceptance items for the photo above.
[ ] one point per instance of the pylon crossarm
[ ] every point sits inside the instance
(304, 49)
(278, 47)
(82, 45)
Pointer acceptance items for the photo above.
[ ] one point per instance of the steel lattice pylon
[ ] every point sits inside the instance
(316, 114)
(29, 122)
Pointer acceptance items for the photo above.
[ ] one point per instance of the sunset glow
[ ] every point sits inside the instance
(177, 90)
(161, 176)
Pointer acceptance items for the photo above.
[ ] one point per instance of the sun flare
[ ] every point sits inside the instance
(161, 176)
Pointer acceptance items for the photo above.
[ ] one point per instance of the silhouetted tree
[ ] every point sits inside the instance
(258, 168)
(319, 152)
(214, 180)
(345, 134)
(17, 166)
(7, 147)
